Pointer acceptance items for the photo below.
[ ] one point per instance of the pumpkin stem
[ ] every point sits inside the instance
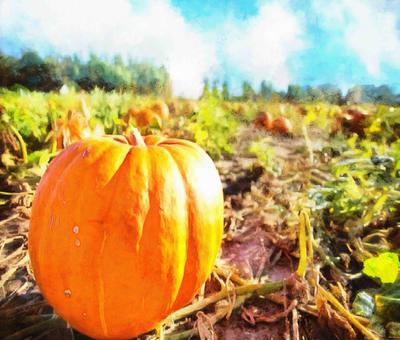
(136, 138)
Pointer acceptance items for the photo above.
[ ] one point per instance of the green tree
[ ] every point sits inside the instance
(313, 94)
(354, 95)
(266, 90)
(225, 91)
(331, 93)
(206, 89)
(215, 90)
(384, 94)
(8, 71)
(294, 93)
(34, 73)
(248, 92)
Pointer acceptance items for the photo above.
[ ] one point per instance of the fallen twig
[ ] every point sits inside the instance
(250, 289)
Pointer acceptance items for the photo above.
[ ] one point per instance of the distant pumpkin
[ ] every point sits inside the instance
(350, 120)
(355, 121)
(125, 231)
(142, 118)
(161, 109)
(263, 120)
(157, 113)
(282, 125)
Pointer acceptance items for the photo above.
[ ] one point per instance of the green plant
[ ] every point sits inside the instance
(266, 154)
(213, 127)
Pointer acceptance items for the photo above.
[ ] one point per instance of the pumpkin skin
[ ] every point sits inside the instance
(282, 125)
(121, 235)
(157, 113)
(161, 110)
(263, 120)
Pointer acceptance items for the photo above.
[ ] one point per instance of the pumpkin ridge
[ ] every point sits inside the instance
(115, 182)
(112, 144)
(193, 275)
(153, 164)
(148, 198)
(170, 147)
(101, 295)
(188, 229)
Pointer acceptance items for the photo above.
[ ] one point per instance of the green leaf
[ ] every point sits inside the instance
(385, 267)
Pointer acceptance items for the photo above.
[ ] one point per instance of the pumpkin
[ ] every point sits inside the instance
(351, 121)
(355, 121)
(145, 118)
(155, 114)
(161, 110)
(141, 118)
(282, 125)
(124, 231)
(263, 120)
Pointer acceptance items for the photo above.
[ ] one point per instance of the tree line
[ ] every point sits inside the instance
(50, 73)
(382, 94)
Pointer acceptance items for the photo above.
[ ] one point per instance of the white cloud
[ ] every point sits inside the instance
(262, 46)
(259, 48)
(368, 29)
(155, 32)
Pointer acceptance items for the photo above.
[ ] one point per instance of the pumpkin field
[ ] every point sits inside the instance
(311, 215)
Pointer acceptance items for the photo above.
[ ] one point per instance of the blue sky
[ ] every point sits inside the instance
(344, 42)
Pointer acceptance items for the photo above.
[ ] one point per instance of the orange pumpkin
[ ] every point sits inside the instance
(157, 113)
(355, 121)
(282, 125)
(145, 118)
(350, 120)
(161, 110)
(263, 120)
(125, 231)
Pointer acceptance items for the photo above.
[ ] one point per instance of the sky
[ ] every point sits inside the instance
(307, 42)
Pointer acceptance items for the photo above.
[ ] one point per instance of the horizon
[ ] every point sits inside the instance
(345, 43)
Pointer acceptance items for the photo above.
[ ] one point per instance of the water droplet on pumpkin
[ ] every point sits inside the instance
(67, 293)
(84, 315)
(85, 153)
(77, 242)
(75, 229)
